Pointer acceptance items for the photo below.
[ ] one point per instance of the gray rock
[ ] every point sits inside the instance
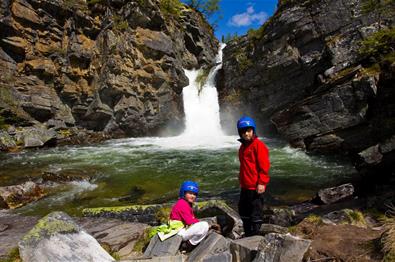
(57, 238)
(282, 248)
(335, 194)
(271, 228)
(245, 249)
(214, 244)
(177, 258)
(36, 136)
(158, 248)
(279, 216)
(222, 257)
(229, 220)
(371, 155)
(120, 236)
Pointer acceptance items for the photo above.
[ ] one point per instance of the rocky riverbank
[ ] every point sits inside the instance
(303, 232)
(111, 67)
(315, 229)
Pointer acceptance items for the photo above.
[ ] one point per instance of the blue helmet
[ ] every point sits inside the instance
(188, 186)
(245, 122)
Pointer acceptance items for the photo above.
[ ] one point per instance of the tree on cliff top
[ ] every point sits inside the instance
(206, 7)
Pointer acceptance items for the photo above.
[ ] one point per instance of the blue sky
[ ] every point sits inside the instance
(241, 15)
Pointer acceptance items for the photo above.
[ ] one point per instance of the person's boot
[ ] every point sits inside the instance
(256, 228)
(247, 227)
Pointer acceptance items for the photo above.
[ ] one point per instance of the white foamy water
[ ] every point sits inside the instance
(202, 108)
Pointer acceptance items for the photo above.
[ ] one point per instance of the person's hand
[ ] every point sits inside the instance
(260, 189)
(216, 228)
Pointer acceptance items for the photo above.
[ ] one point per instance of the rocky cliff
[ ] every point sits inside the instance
(104, 65)
(306, 75)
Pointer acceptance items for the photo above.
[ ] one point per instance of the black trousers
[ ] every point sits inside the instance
(251, 211)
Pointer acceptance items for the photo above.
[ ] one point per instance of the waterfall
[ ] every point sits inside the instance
(201, 107)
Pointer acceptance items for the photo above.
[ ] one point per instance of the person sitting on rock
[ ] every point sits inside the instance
(253, 176)
(195, 231)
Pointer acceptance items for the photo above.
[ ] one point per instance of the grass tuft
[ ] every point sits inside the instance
(388, 237)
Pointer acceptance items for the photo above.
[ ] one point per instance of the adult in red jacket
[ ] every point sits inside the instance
(253, 176)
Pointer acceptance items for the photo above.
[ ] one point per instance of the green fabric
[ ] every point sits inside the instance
(166, 228)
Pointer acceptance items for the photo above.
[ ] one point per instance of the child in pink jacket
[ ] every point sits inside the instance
(195, 231)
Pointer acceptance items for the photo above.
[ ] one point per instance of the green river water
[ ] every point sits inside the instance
(150, 170)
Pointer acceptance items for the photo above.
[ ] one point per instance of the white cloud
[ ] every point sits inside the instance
(248, 17)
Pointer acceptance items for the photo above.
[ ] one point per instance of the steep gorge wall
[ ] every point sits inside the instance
(114, 66)
(302, 75)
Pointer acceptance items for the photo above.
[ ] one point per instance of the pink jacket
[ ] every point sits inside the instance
(183, 211)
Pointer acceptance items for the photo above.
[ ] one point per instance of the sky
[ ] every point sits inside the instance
(241, 15)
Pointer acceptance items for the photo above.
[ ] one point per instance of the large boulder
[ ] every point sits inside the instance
(282, 248)
(57, 237)
(18, 195)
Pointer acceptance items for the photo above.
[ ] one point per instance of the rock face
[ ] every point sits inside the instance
(113, 66)
(57, 238)
(303, 76)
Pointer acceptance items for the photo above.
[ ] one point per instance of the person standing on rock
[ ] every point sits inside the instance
(253, 176)
(195, 230)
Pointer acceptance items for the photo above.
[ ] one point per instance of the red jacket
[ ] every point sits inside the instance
(183, 211)
(254, 164)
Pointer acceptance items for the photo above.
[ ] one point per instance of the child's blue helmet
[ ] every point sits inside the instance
(245, 122)
(188, 186)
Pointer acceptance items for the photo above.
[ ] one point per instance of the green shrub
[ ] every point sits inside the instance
(13, 256)
(243, 61)
(119, 23)
(388, 237)
(171, 8)
(380, 43)
(202, 77)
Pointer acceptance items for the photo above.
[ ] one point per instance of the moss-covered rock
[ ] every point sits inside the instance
(135, 213)
(56, 222)
(57, 237)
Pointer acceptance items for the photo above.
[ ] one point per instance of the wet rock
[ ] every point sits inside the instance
(57, 237)
(245, 249)
(12, 197)
(158, 248)
(282, 248)
(63, 177)
(335, 194)
(6, 141)
(214, 244)
(229, 220)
